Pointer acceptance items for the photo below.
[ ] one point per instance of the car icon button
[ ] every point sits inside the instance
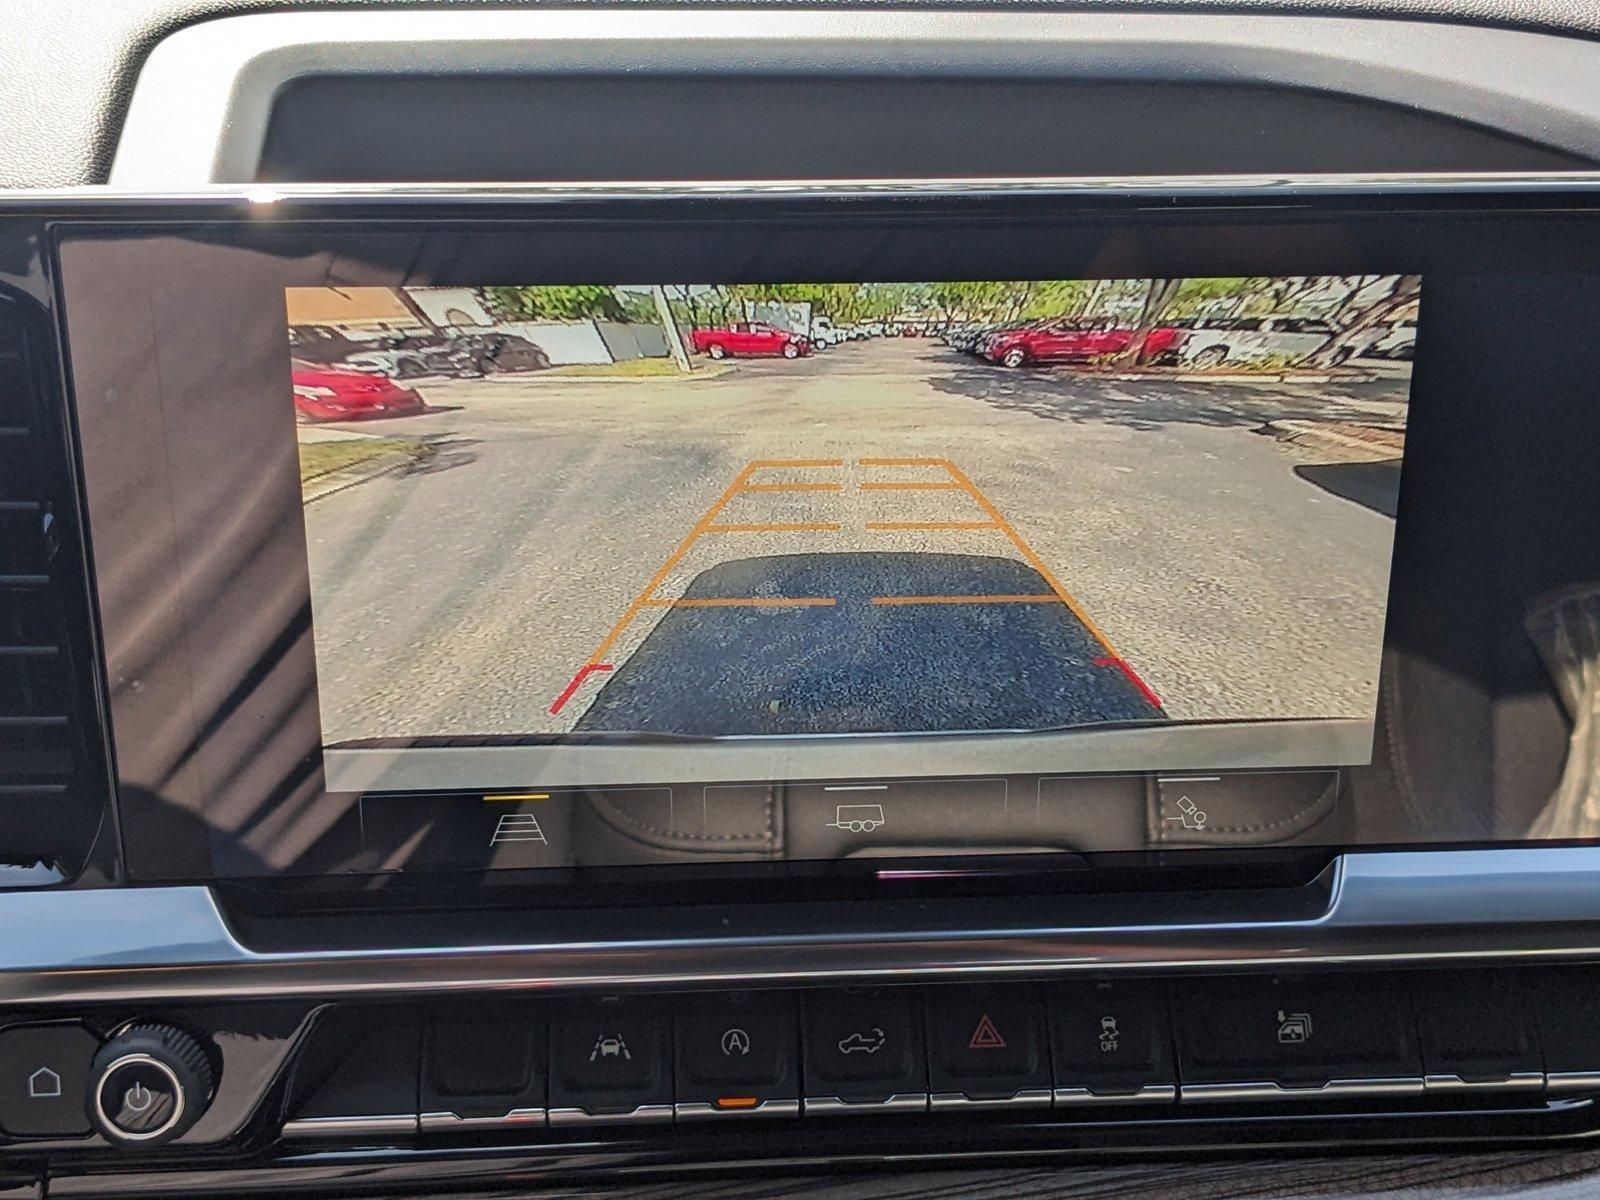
(610, 1060)
(863, 1046)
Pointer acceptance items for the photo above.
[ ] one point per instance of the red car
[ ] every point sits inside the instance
(749, 339)
(1074, 341)
(336, 394)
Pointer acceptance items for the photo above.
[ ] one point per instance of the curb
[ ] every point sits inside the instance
(545, 379)
(349, 477)
(1313, 435)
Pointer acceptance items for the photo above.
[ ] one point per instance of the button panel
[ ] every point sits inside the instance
(1334, 1038)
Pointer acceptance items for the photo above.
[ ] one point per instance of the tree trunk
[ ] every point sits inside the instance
(1157, 299)
(1405, 291)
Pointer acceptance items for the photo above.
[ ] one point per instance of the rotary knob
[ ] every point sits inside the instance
(148, 1084)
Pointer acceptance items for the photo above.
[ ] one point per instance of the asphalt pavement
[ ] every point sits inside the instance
(887, 535)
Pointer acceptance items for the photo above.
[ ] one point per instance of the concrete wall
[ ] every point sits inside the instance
(589, 341)
(631, 340)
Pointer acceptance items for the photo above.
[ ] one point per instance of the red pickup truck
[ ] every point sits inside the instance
(749, 338)
(1074, 341)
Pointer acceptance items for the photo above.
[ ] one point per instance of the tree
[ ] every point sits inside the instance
(1158, 297)
(1353, 335)
(556, 302)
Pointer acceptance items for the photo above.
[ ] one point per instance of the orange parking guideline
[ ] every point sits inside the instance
(749, 602)
(932, 525)
(1032, 559)
(797, 487)
(777, 527)
(1043, 598)
(706, 521)
(911, 485)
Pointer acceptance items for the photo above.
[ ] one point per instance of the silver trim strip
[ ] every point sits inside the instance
(449, 1122)
(1517, 1081)
(1566, 1082)
(833, 1106)
(700, 1110)
(1027, 1098)
(1150, 1093)
(396, 1125)
(645, 1113)
(150, 945)
(204, 97)
(1334, 1089)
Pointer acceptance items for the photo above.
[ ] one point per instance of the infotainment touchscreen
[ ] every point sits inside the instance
(701, 511)
(553, 544)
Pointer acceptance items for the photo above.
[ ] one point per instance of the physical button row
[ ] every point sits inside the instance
(1244, 1039)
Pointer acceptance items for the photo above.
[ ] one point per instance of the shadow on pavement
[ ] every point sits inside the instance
(1060, 394)
(1374, 485)
(859, 667)
(448, 452)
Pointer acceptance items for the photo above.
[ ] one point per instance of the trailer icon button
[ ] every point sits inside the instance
(858, 818)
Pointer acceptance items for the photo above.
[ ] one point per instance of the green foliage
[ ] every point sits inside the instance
(556, 302)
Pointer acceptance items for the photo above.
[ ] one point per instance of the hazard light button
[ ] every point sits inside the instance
(988, 1047)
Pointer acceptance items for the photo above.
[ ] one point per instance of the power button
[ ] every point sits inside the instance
(140, 1097)
(149, 1084)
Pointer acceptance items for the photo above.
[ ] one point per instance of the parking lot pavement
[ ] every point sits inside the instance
(1153, 556)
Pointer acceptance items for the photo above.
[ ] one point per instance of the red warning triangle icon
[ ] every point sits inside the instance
(986, 1036)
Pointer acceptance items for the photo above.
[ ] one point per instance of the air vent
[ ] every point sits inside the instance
(48, 811)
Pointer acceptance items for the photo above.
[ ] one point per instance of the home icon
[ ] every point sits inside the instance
(44, 1084)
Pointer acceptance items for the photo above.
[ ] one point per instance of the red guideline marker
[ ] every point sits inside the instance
(583, 673)
(1133, 677)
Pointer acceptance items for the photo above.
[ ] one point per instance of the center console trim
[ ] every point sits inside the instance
(1386, 908)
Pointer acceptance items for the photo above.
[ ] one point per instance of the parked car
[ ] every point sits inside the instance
(323, 393)
(322, 343)
(500, 353)
(1213, 341)
(824, 334)
(1074, 340)
(749, 339)
(412, 357)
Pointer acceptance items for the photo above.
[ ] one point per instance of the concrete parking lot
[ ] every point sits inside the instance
(887, 535)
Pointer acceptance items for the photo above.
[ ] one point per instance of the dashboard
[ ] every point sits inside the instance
(511, 679)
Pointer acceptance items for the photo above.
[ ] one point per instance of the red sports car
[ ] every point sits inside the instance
(337, 394)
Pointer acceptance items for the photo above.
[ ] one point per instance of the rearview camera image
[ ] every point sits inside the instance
(770, 510)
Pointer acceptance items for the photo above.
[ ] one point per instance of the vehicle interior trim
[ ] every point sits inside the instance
(1390, 908)
(204, 98)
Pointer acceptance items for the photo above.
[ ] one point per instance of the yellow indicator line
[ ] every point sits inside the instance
(510, 797)
(900, 462)
(797, 487)
(673, 559)
(778, 527)
(1046, 598)
(932, 525)
(751, 602)
(908, 485)
(1032, 559)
